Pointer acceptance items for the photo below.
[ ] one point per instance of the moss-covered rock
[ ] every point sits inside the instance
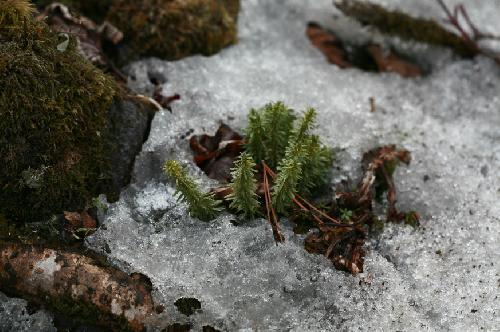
(176, 28)
(400, 24)
(53, 115)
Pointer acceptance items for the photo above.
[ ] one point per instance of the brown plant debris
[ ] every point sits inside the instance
(390, 62)
(369, 57)
(460, 15)
(215, 154)
(405, 26)
(79, 224)
(344, 245)
(465, 43)
(163, 100)
(76, 285)
(328, 44)
(271, 212)
(89, 36)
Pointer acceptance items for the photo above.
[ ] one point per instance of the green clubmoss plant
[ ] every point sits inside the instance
(277, 124)
(255, 136)
(201, 205)
(243, 185)
(297, 161)
(316, 166)
(291, 166)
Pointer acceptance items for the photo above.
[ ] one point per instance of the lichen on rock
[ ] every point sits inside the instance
(175, 29)
(53, 115)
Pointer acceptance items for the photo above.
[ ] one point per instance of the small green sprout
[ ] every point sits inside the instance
(291, 166)
(201, 205)
(345, 214)
(99, 204)
(268, 132)
(244, 185)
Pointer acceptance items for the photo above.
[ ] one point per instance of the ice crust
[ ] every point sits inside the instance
(15, 317)
(442, 276)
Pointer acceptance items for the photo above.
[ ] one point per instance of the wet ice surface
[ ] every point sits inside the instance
(15, 317)
(442, 276)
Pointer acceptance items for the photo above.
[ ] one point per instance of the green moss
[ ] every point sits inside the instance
(405, 26)
(53, 111)
(177, 28)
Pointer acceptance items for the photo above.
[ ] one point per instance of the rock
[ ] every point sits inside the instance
(174, 29)
(129, 124)
(53, 116)
(74, 284)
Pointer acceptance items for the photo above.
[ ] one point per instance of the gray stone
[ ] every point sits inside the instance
(129, 128)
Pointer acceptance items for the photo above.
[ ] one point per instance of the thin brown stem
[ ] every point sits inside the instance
(271, 213)
(297, 200)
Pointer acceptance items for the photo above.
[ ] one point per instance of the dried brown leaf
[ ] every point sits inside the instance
(391, 62)
(366, 57)
(215, 154)
(328, 44)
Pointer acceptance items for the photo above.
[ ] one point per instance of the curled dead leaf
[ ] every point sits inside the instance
(388, 61)
(215, 154)
(365, 57)
(331, 47)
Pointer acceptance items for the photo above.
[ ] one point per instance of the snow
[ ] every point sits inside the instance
(443, 275)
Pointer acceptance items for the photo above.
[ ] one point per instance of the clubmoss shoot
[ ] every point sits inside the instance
(201, 205)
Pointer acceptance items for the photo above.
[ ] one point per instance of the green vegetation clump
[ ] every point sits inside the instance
(177, 28)
(53, 115)
(268, 132)
(298, 160)
(244, 186)
(201, 205)
(291, 166)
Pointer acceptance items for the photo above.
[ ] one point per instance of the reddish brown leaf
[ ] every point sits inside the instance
(390, 62)
(366, 57)
(74, 219)
(88, 221)
(328, 44)
(80, 224)
(215, 154)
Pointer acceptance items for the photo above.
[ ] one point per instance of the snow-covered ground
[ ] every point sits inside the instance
(444, 275)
